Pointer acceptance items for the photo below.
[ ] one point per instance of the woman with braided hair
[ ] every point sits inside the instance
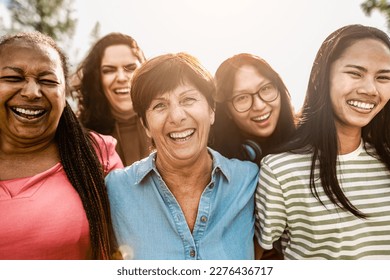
(53, 201)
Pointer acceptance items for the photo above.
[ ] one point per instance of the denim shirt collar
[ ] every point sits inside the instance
(219, 164)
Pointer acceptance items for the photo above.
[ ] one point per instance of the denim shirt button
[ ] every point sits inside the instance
(192, 253)
(211, 185)
(203, 219)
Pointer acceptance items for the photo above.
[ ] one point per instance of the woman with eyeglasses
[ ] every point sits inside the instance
(253, 112)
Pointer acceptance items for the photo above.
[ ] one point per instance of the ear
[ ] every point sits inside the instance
(146, 128)
(212, 116)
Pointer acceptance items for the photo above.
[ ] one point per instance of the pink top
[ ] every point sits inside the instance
(42, 217)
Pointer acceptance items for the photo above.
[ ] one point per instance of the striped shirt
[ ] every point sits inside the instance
(286, 208)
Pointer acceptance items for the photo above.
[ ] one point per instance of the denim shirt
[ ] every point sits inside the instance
(149, 223)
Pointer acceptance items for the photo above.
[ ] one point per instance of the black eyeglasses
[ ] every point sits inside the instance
(243, 102)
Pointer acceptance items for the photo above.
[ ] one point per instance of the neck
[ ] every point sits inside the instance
(122, 116)
(25, 160)
(348, 141)
(27, 148)
(194, 174)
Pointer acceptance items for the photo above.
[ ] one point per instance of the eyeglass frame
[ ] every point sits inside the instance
(231, 100)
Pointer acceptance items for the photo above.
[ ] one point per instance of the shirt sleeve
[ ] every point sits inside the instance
(270, 209)
(107, 154)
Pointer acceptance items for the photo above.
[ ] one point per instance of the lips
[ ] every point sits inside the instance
(121, 91)
(361, 105)
(262, 117)
(183, 135)
(28, 113)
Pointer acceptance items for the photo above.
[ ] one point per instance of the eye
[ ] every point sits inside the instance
(266, 89)
(189, 101)
(130, 68)
(354, 74)
(159, 106)
(384, 78)
(108, 70)
(48, 82)
(241, 98)
(12, 79)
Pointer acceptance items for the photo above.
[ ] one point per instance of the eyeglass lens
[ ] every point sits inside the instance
(244, 102)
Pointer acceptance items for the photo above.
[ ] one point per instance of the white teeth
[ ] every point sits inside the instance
(361, 105)
(181, 135)
(263, 117)
(122, 90)
(28, 111)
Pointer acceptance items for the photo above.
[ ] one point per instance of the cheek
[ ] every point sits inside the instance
(155, 125)
(385, 92)
(277, 107)
(106, 81)
(241, 119)
(232, 113)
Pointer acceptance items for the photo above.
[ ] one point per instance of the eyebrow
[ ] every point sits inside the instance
(382, 71)
(259, 86)
(21, 71)
(18, 70)
(189, 90)
(113, 66)
(160, 97)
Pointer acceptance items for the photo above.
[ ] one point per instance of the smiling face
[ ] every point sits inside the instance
(359, 84)
(261, 119)
(179, 123)
(117, 67)
(32, 92)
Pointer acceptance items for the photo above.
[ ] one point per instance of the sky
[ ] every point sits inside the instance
(286, 33)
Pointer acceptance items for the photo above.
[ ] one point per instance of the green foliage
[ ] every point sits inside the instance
(51, 17)
(381, 5)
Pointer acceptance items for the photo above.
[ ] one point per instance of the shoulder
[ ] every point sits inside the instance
(105, 149)
(233, 167)
(286, 160)
(106, 141)
(132, 174)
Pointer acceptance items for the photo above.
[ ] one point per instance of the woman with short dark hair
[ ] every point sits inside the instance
(184, 201)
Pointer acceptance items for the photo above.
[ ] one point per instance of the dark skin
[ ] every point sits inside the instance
(32, 99)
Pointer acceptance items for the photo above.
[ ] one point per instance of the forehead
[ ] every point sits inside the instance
(179, 90)
(370, 50)
(248, 76)
(29, 55)
(118, 54)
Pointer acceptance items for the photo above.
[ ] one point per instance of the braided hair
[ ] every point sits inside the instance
(85, 172)
(78, 151)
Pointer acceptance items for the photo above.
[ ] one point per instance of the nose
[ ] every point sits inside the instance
(368, 87)
(177, 114)
(31, 90)
(258, 103)
(122, 75)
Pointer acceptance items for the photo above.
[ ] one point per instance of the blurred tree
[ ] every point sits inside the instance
(51, 17)
(381, 5)
(95, 33)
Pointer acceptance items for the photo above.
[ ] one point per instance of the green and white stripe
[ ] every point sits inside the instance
(286, 208)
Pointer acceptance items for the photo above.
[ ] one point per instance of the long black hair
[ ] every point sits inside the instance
(227, 137)
(78, 154)
(316, 131)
